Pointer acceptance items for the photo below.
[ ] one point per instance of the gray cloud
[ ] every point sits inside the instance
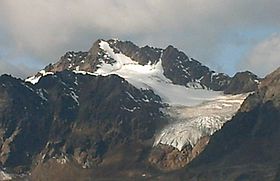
(20, 70)
(265, 57)
(44, 30)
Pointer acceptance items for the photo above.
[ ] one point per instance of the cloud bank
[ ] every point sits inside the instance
(43, 30)
(265, 56)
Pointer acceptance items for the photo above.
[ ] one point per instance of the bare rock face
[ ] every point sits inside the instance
(23, 116)
(242, 82)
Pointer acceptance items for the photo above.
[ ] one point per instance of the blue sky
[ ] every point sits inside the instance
(228, 36)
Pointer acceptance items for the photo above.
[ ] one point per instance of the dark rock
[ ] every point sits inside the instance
(242, 82)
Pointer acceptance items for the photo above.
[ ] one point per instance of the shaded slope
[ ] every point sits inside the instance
(72, 116)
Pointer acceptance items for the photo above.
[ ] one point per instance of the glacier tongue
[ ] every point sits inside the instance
(189, 124)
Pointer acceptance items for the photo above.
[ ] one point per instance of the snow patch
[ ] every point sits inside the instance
(35, 79)
(75, 97)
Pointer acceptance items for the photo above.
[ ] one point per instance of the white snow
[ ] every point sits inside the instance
(41, 94)
(130, 110)
(75, 97)
(35, 79)
(151, 76)
(5, 176)
(189, 124)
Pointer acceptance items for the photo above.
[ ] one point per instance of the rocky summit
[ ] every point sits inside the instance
(124, 112)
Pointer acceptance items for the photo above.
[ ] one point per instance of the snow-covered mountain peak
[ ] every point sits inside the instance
(146, 67)
(151, 76)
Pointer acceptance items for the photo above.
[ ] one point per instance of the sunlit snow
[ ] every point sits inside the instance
(35, 79)
(151, 77)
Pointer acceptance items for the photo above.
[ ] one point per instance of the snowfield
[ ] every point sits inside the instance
(151, 77)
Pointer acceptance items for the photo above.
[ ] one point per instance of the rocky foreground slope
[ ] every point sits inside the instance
(97, 114)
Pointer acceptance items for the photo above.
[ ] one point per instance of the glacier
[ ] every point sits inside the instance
(191, 123)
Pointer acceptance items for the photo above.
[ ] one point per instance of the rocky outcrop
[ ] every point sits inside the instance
(242, 82)
(183, 70)
(168, 158)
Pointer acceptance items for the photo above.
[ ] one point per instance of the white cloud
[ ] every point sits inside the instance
(45, 29)
(264, 57)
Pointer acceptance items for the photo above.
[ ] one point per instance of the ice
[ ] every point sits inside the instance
(189, 124)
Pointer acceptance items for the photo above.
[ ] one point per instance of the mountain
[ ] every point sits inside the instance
(116, 111)
(111, 56)
(247, 148)
(76, 116)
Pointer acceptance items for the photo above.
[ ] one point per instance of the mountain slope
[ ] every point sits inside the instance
(247, 148)
(73, 116)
